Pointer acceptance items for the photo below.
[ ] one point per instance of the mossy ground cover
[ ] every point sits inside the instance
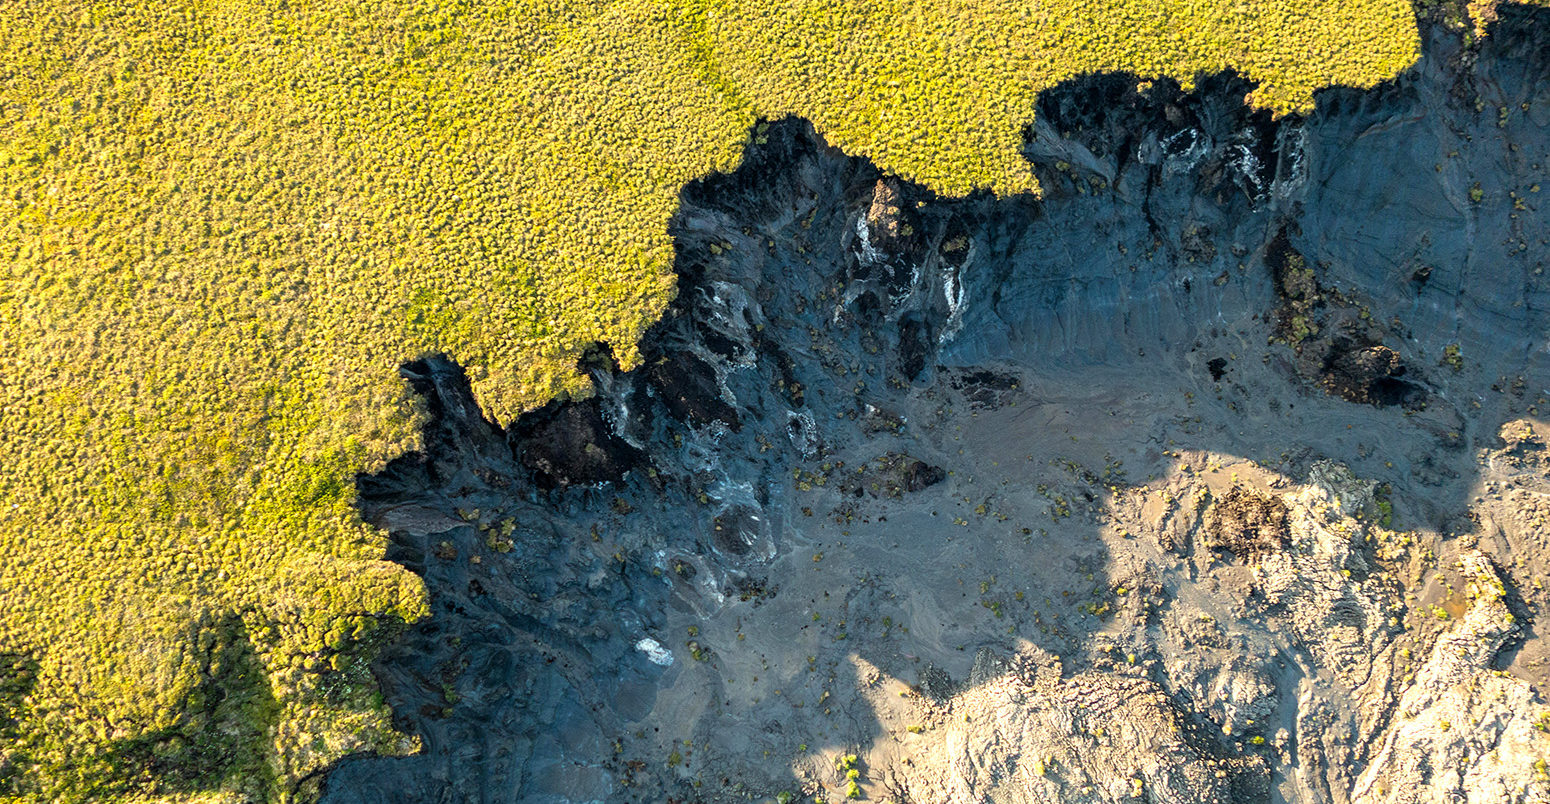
(225, 223)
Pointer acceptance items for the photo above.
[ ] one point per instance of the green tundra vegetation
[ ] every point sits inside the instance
(225, 223)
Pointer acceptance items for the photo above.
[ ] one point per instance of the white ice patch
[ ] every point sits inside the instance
(803, 432)
(1248, 166)
(869, 253)
(654, 651)
(1182, 155)
(952, 290)
(729, 309)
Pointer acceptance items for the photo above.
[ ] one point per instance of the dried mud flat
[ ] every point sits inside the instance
(1219, 474)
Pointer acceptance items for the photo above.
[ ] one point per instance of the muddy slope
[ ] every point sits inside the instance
(928, 481)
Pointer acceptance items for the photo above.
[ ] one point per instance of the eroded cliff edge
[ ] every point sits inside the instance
(1213, 475)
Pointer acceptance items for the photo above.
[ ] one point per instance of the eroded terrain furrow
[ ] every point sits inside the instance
(1218, 474)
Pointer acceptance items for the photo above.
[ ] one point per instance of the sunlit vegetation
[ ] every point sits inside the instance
(225, 223)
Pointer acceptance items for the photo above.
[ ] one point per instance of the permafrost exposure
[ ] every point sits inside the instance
(1218, 474)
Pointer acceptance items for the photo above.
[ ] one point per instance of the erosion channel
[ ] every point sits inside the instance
(1217, 474)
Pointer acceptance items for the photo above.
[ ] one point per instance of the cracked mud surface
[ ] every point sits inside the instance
(1216, 475)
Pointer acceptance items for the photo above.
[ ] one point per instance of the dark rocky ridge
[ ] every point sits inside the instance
(849, 352)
